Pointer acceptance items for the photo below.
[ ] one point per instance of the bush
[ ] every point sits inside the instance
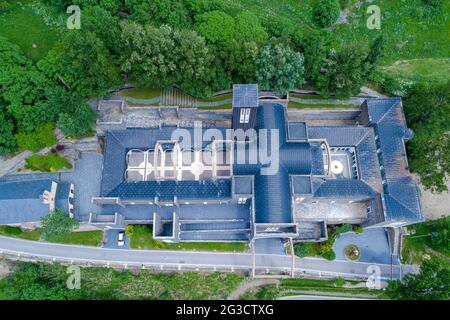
(433, 7)
(326, 12)
(129, 230)
(10, 231)
(343, 229)
(304, 249)
(339, 282)
(358, 229)
(330, 255)
(47, 163)
(37, 140)
(441, 234)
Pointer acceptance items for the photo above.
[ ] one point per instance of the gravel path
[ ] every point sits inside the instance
(243, 288)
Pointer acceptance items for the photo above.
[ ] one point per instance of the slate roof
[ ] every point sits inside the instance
(401, 193)
(245, 96)
(294, 158)
(300, 163)
(22, 201)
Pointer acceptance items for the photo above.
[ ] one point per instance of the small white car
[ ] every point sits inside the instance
(121, 239)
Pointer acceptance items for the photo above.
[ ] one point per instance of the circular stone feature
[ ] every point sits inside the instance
(352, 252)
(337, 167)
(197, 168)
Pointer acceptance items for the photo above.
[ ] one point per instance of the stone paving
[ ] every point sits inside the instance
(373, 244)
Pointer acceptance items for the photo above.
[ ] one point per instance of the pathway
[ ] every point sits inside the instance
(243, 288)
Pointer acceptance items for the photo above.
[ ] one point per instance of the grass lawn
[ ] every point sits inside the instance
(85, 238)
(310, 286)
(217, 98)
(420, 244)
(142, 239)
(429, 70)
(16, 232)
(309, 97)
(297, 105)
(222, 107)
(140, 93)
(20, 25)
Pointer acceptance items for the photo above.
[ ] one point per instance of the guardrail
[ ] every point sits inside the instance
(181, 267)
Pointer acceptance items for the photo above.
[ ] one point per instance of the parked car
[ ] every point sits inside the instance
(121, 239)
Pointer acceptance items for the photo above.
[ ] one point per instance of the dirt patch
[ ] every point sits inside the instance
(435, 205)
(5, 268)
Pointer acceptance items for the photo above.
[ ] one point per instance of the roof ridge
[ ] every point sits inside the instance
(116, 138)
(400, 203)
(389, 109)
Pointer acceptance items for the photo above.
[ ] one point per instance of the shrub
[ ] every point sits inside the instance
(37, 140)
(326, 12)
(129, 230)
(339, 282)
(343, 229)
(358, 229)
(11, 231)
(330, 255)
(304, 249)
(433, 7)
(47, 163)
(441, 234)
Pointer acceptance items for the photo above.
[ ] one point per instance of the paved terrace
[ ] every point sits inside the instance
(86, 177)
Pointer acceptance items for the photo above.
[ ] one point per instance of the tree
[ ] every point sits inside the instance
(441, 234)
(67, 64)
(315, 48)
(159, 12)
(7, 140)
(79, 122)
(279, 68)
(249, 29)
(427, 111)
(326, 12)
(240, 61)
(70, 112)
(216, 26)
(432, 283)
(342, 72)
(164, 56)
(374, 55)
(56, 226)
(40, 281)
(104, 25)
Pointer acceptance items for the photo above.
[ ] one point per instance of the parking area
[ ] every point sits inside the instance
(111, 239)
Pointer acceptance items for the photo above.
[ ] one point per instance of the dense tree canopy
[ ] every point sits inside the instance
(68, 64)
(432, 283)
(279, 68)
(249, 29)
(216, 26)
(159, 12)
(7, 140)
(163, 56)
(326, 12)
(343, 71)
(427, 110)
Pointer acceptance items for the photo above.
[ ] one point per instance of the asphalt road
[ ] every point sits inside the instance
(188, 260)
